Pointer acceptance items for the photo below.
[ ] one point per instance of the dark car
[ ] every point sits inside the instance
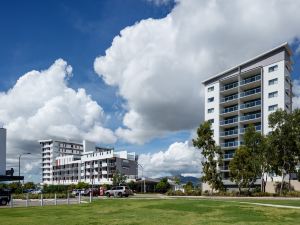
(5, 196)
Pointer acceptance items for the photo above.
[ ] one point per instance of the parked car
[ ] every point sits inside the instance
(37, 191)
(119, 191)
(5, 196)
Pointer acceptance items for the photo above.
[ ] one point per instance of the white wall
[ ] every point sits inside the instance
(216, 105)
(2, 151)
(280, 87)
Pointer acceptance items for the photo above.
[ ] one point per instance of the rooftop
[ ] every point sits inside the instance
(284, 45)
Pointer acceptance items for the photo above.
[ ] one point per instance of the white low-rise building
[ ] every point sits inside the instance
(65, 162)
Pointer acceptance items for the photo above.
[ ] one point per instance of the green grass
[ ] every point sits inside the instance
(142, 211)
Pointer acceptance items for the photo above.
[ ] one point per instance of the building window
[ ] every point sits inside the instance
(210, 89)
(273, 81)
(211, 110)
(273, 68)
(211, 99)
(286, 105)
(211, 121)
(273, 107)
(273, 94)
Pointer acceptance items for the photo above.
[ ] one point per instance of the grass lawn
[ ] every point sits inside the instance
(156, 211)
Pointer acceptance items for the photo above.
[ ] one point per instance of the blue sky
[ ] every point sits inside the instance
(142, 61)
(35, 33)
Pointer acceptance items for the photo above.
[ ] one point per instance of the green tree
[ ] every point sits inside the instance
(257, 146)
(82, 185)
(163, 186)
(242, 168)
(188, 186)
(212, 154)
(283, 139)
(29, 185)
(119, 178)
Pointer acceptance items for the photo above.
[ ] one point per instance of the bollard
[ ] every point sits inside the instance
(91, 196)
(42, 201)
(79, 198)
(55, 199)
(26, 199)
(68, 200)
(11, 202)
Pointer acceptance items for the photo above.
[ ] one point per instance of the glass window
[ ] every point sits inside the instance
(273, 94)
(273, 81)
(273, 107)
(211, 99)
(210, 89)
(211, 110)
(273, 68)
(211, 120)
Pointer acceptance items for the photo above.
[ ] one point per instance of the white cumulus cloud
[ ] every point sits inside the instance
(158, 64)
(41, 105)
(179, 159)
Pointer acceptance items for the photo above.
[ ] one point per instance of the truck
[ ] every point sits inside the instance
(5, 196)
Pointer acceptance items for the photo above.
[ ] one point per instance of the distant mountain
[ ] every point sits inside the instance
(194, 180)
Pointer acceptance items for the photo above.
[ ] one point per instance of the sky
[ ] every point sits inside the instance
(126, 73)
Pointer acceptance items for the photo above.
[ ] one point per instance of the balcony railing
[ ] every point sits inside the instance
(250, 92)
(229, 132)
(230, 144)
(230, 109)
(257, 128)
(229, 98)
(228, 155)
(250, 79)
(229, 86)
(250, 117)
(250, 104)
(229, 121)
(224, 167)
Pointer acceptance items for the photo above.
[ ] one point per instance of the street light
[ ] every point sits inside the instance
(143, 177)
(20, 155)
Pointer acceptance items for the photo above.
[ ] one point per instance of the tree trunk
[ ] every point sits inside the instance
(281, 185)
(265, 183)
(262, 181)
(289, 182)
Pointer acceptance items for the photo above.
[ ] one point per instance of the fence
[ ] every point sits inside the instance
(28, 200)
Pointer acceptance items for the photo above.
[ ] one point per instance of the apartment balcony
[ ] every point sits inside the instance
(257, 128)
(104, 172)
(224, 168)
(250, 106)
(231, 99)
(230, 110)
(111, 164)
(229, 88)
(104, 164)
(251, 82)
(230, 144)
(229, 133)
(251, 94)
(229, 122)
(256, 117)
(228, 156)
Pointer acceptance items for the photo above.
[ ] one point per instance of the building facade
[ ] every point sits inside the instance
(65, 162)
(247, 94)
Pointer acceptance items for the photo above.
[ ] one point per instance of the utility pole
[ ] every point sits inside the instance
(20, 155)
(143, 177)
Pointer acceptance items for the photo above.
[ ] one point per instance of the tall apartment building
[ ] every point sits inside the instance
(247, 94)
(65, 162)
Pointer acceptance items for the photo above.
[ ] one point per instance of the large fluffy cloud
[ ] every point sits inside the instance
(179, 159)
(41, 105)
(296, 92)
(158, 65)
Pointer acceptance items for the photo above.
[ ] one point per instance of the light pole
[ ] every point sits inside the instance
(20, 155)
(143, 177)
